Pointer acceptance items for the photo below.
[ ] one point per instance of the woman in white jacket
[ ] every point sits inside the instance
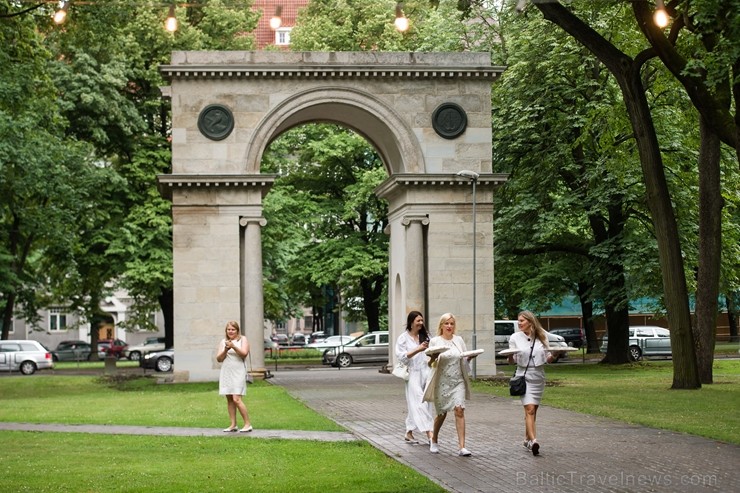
(534, 353)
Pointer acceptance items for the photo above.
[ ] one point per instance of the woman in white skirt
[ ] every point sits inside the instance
(410, 348)
(531, 341)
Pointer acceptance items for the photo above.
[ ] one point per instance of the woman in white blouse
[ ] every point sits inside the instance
(410, 348)
(531, 341)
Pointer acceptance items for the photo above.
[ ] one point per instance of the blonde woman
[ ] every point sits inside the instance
(449, 386)
(232, 382)
(534, 353)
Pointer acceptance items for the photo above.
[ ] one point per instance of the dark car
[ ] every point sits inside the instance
(113, 347)
(298, 340)
(574, 337)
(76, 351)
(158, 360)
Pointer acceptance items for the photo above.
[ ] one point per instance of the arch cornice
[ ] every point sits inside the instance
(364, 113)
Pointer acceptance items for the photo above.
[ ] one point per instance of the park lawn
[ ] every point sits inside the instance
(640, 393)
(75, 399)
(76, 462)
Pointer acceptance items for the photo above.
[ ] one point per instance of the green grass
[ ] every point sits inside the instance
(640, 394)
(71, 462)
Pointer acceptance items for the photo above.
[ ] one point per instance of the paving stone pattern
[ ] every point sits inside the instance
(580, 453)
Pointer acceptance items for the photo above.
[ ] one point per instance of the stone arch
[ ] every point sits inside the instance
(354, 108)
(427, 114)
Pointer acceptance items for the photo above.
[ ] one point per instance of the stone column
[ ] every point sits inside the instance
(415, 258)
(252, 316)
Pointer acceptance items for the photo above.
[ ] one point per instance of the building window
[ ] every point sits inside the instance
(282, 36)
(57, 320)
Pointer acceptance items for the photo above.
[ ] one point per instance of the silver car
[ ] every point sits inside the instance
(372, 347)
(24, 355)
(645, 340)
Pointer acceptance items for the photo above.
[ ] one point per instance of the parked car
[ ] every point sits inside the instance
(503, 329)
(76, 351)
(574, 337)
(645, 340)
(281, 339)
(25, 356)
(158, 360)
(372, 347)
(151, 344)
(113, 347)
(317, 336)
(330, 342)
(271, 347)
(298, 340)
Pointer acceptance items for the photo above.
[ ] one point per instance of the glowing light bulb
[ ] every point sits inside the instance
(171, 23)
(660, 17)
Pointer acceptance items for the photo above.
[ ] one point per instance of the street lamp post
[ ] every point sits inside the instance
(473, 177)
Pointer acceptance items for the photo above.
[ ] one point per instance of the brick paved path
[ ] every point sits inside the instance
(580, 453)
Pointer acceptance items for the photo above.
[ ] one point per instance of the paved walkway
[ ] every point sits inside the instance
(580, 453)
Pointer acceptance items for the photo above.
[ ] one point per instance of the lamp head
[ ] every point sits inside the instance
(468, 174)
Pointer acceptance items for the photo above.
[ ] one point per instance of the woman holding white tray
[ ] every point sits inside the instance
(449, 387)
(534, 352)
(410, 347)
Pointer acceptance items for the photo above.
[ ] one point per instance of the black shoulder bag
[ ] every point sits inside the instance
(518, 385)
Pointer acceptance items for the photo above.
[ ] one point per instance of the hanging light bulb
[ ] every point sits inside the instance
(660, 17)
(401, 22)
(61, 14)
(276, 21)
(171, 23)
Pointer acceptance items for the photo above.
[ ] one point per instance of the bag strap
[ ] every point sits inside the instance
(531, 350)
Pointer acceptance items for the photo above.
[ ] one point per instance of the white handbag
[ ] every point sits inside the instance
(401, 371)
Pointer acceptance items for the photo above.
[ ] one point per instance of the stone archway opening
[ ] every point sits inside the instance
(428, 116)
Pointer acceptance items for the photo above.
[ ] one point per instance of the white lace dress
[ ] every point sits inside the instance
(233, 377)
(420, 414)
(450, 379)
(535, 374)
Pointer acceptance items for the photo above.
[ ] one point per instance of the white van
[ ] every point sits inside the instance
(503, 329)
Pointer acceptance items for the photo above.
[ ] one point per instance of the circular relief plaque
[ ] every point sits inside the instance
(216, 122)
(449, 120)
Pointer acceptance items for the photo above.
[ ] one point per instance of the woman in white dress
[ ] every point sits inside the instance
(232, 381)
(449, 387)
(410, 348)
(531, 338)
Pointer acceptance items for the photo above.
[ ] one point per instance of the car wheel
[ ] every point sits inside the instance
(134, 355)
(344, 360)
(28, 368)
(164, 363)
(635, 353)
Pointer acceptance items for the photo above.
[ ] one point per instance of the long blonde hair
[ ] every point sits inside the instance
(539, 331)
(444, 318)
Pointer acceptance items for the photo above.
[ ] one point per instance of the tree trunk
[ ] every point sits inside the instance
(731, 317)
(710, 250)
(167, 304)
(587, 315)
(7, 319)
(627, 73)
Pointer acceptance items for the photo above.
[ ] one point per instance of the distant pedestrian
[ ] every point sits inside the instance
(232, 382)
(534, 353)
(410, 348)
(449, 386)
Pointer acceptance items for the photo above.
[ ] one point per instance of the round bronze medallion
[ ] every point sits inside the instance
(216, 122)
(449, 120)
